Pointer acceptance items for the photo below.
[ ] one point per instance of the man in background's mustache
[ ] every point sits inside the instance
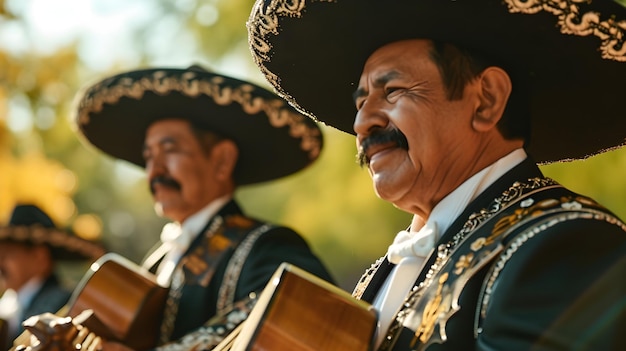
(165, 181)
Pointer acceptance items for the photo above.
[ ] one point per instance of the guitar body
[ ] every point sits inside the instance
(300, 312)
(126, 301)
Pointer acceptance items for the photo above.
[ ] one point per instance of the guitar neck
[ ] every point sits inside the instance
(229, 340)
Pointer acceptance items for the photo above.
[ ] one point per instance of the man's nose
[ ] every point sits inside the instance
(369, 117)
(155, 166)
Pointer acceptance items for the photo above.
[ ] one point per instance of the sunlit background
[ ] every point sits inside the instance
(51, 48)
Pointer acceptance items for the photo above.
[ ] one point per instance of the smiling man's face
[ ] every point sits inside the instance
(401, 89)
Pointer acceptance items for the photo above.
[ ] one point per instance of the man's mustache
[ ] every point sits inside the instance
(381, 136)
(165, 181)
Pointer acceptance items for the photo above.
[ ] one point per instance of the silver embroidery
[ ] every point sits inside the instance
(571, 21)
(265, 17)
(175, 292)
(215, 331)
(264, 20)
(359, 289)
(524, 237)
(444, 251)
(226, 295)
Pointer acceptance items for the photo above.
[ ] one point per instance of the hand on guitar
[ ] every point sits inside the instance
(49, 332)
(94, 343)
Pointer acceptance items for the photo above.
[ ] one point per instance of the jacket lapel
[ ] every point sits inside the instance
(374, 278)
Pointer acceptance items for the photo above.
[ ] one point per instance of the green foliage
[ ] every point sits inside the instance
(600, 177)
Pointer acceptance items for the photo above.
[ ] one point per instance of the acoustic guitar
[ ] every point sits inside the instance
(124, 301)
(125, 297)
(298, 311)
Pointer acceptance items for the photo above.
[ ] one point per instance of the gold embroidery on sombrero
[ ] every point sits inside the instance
(55, 238)
(611, 31)
(160, 83)
(263, 21)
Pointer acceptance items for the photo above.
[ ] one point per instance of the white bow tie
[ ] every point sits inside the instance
(407, 244)
(175, 235)
(177, 240)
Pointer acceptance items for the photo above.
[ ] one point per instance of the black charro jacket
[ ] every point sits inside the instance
(51, 297)
(546, 272)
(253, 253)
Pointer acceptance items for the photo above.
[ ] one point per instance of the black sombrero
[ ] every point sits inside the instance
(29, 225)
(572, 53)
(274, 140)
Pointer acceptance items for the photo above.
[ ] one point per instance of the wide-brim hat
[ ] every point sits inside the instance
(30, 226)
(274, 140)
(571, 53)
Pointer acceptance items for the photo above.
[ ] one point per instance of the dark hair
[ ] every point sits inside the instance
(459, 66)
(206, 138)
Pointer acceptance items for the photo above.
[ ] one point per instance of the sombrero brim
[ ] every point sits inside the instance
(312, 52)
(63, 245)
(274, 140)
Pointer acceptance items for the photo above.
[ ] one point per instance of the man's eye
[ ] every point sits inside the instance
(170, 148)
(392, 94)
(359, 103)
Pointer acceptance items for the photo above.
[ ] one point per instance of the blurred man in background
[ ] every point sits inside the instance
(200, 135)
(30, 247)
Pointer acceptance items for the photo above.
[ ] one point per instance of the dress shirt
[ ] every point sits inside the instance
(177, 237)
(13, 304)
(410, 249)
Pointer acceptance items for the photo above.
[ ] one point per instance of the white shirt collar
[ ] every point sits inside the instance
(176, 238)
(451, 206)
(28, 291)
(196, 222)
(420, 242)
(191, 227)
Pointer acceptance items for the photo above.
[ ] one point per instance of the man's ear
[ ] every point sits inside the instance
(494, 90)
(225, 153)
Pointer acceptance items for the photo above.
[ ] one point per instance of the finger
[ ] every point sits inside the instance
(89, 339)
(96, 344)
(80, 337)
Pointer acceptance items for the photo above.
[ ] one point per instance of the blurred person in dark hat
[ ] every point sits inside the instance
(200, 135)
(30, 247)
(453, 105)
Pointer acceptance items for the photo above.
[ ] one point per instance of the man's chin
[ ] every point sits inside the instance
(381, 190)
(158, 209)
(385, 187)
(174, 212)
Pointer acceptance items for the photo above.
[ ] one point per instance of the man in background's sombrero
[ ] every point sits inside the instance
(30, 245)
(199, 135)
(453, 104)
